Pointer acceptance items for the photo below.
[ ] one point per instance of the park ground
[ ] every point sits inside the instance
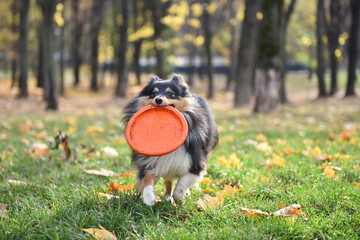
(306, 152)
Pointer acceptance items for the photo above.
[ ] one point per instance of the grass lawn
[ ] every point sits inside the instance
(305, 154)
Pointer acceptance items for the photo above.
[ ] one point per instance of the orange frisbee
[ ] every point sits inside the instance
(156, 131)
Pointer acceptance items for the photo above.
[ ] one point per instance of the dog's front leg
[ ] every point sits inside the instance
(183, 185)
(148, 194)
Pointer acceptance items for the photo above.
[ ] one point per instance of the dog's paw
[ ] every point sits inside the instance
(149, 197)
(178, 195)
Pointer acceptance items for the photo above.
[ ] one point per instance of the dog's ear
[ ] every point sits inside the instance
(153, 79)
(179, 80)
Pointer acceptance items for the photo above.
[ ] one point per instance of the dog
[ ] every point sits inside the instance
(188, 162)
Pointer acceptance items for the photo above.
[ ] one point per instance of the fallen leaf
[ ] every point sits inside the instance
(108, 196)
(115, 187)
(231, 191)
(329, 172)
(16, 182)
(275, 161)
(206, 181)
(94, 129)
(356, 168)
(345, 135)
(100, 233)
(253, 212)
(264, 147)
(261, 137)
(101, 172)
(127, 174)
(210, 202)
(357, 185)
(290, 211)
(109, 152)
(3, 211)
(24, 128)
(39, 149)
(288, 150)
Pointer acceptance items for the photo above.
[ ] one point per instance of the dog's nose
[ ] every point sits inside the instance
(158, 101)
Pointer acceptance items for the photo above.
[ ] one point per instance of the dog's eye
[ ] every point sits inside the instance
(153, 94)
(171, 94)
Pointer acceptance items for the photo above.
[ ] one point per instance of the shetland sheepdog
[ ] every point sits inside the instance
(187, 164)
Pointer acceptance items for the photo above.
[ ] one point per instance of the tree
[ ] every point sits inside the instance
(123, 28)
(22, 44)
(14, 12)
(268, 73)
(159, 9)
(47, 34)
(76, 40)
(247, 54)
(97, 15)
(320, 34)
(337, 14)
(353, 47)
(287, 14)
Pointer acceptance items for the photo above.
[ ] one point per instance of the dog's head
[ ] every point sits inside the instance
(172, 92)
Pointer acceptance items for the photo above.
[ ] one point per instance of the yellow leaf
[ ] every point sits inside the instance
(264, 147)
(70, 130)
(100, 233)
(229, 138)
(196, 10)
(356, 168)
(357, 185)
(71, 121)
(261, 137)
(353, 141)
(231, 191)
(329, 172)
(94, 129)
(275, 161)
(206, 181)
(210, 202)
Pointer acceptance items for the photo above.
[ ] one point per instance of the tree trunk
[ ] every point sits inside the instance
(353, 42)
(320, 32)
(333, 32)
(122, 75)
(233, 58)
(50, 80)
(136, 61)
(268, 74)
(207, 44)
(97, 10)
(77, 33)
(285, 23)
(159, 10)
(41, 71)
(191, 68)
(14, 11)
(247, 54)
(24, 28)
(62, 46)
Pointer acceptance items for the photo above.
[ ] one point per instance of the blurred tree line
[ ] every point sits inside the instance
(255, 39)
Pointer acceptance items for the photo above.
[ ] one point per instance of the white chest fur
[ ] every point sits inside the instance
(169, 166)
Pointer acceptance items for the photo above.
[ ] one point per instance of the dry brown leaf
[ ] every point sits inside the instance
(100, 233)
(3, 211)
(115, 187)
(253, 212)
(127, 174)
(16, 182)
(211, 202)
(101, 172)
(290, 211)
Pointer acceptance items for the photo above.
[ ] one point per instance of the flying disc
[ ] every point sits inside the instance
(156, 131)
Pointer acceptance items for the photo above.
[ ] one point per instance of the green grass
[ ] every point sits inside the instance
(40, 211)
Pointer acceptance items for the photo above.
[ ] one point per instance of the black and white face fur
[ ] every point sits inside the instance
(188, 162)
